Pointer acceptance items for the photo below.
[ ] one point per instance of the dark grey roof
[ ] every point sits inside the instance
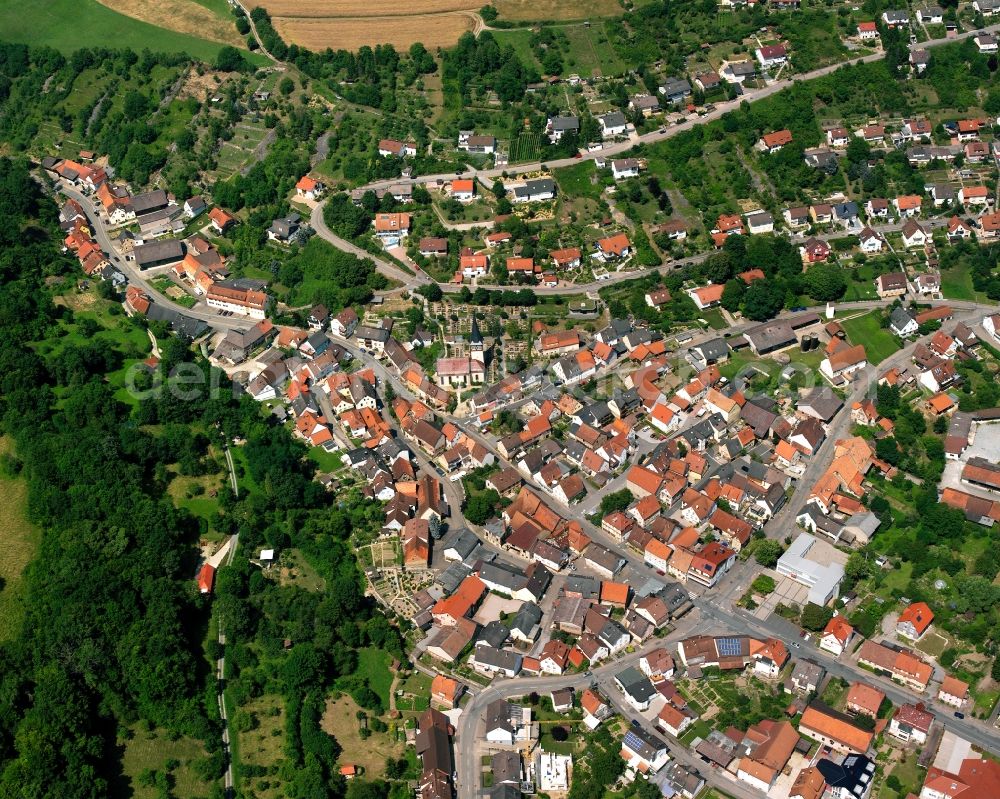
(465, 543)
(527, 616)
(900, 318)
(770, 336)
(585, 585)
(823, 401)
(635, 684)
(854, 774)
(506, 768)
(181, 324)
(505, 791)
(149, 201)
(675, 86)
(494, 634)
(847, 210)
(497, 658)
(613, 120)
(159, 251)
(566, 123)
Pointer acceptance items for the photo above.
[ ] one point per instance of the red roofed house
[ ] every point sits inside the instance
(568, 258)
(865, 699)
(617, 246)
(834, 730)
(221, 220)
(867, 31)
(772, 142)
(911, 723)
(309, 188)
(206, 579)
(707, 296)
(445, 691)
(523, 266)
(953, 691)
(815, 251)
(977, 778)
(836, 635)
(463, 190)
(914, 621)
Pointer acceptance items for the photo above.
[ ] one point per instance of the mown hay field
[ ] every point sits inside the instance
(350, 33)
(182, 16)
(360, 8)
(523, 10)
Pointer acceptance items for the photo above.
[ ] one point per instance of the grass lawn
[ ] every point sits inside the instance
(68, 25)
(896, 580)
(956, 284)
(20, 541)
(879, 342)
(933, 643)
(151, 750)
(699, 729)
(575, 181)
(296, 570)
(715, 319)
(373, 665)
(325, 461)
(519, 39)
(834, 693)
(203, 505)
(416, 693)
(908, 773)
(245, 481)
(590, 52)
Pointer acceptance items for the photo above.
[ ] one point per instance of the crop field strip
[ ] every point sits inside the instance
(182, 16)
(298, 9)
(350, 33)
(349, 24)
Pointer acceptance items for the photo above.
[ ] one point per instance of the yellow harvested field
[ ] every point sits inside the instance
(557, 9)
(183, 16)
(360, 8)
(436, 30)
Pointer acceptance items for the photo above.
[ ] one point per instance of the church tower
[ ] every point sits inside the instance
(476, 342)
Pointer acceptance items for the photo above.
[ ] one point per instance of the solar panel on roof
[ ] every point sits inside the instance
(728, 647)
(633, 741)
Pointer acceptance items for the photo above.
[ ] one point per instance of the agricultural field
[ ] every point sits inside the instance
(350, 24)
(20, 541)
(531, 10)
(350, 33)
(183, 16)
(68, 25)
(360, 8)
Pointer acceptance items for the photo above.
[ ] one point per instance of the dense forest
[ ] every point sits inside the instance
(113, 629)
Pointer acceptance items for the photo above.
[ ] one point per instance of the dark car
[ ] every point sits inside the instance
(959, 715)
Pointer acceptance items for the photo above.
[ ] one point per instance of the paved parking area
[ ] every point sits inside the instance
(493, 606)
(787, 592)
